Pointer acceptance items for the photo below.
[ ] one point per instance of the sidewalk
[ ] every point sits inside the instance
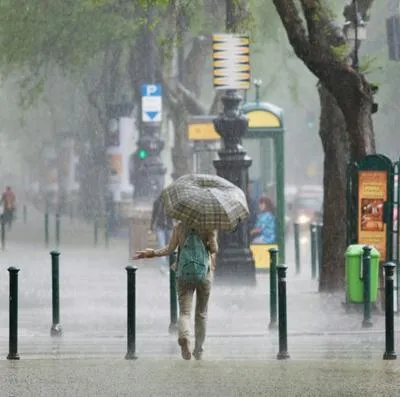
(330, 353)
(93, 308)
(177, 378)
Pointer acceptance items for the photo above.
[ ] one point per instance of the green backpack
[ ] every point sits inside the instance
(193, 259)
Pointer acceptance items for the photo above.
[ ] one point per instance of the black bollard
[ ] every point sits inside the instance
(96, 231)
(313, 242)
(106, 232)
(366, 273)
(296, 231)
(131, 271)
(390, 353)
(58, 224)
(24, 213)
(273, 261)
(55, 283)
(46, 228)
(13, 325)
(173, 299)
(319, 246)
(3, 232)
(283, 350)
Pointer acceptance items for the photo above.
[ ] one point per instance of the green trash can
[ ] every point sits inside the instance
(354, 274)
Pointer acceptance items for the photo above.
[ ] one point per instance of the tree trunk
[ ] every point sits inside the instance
(333, 135)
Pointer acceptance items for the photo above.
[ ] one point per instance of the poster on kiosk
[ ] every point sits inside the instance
(120, 145)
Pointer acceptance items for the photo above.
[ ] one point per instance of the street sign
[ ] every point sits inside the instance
(231, 62)
(151, 103)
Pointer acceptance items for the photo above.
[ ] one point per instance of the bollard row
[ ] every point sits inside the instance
(277, 277)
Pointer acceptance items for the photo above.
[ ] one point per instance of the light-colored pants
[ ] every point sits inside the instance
(185, 297)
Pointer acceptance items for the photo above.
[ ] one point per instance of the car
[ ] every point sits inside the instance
(306, 209)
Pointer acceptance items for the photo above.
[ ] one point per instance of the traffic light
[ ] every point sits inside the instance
(143, 154)
(146, 168)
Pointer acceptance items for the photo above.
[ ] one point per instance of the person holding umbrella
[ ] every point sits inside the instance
(202, 204)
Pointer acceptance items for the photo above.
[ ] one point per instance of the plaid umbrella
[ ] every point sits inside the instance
(205, 202)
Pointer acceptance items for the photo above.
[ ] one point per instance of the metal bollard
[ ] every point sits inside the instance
(319, 247)
(58, 223)
(366, 272)
(96, 231)
(131, 353)
(55, 284)
(13, 325)
(273, 255)
(46, 228)
(313, 241)
(173, 299)
(3, 233)
(106, 232)
(24, 213)
(390, 353)
(296, 230)
(283, 353)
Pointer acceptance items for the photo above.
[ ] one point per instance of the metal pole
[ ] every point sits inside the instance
(273, 304)
(319, 247)
(106, 232)
(3, 233)
(96, 231)
(46, 228)
(131, 295)
(296, 230)
(58, 221)
(390, 352)
(173, 300)
(13, 324)
(355, 35)
(283, 350)
(24, 213)
(313, 242)
(55, 284)
(366, 262)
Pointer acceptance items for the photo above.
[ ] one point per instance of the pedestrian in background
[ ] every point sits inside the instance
(8, 201)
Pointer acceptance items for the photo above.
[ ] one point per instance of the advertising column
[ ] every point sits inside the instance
(120, 145)
(372, 195)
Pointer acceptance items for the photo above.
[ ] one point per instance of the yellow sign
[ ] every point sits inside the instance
(263, 119)
(231, 56)
(202, 132)
(261, 255)
(372, 195)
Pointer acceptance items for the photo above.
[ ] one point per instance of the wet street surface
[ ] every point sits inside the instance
(330, 353)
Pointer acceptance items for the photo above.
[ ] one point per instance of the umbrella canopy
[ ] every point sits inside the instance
(205, 202)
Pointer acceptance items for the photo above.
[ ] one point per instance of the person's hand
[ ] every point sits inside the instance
(147, 253)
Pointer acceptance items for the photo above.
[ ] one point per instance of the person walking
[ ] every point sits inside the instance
(202, 204)
(191, 277)
(8, 201)
(162, 225)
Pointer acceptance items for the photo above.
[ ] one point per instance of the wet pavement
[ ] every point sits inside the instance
(236, 378)
(326, 344)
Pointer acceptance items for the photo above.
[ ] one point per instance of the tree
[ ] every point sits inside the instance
(346, 128)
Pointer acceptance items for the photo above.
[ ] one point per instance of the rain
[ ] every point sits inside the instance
(106, 104)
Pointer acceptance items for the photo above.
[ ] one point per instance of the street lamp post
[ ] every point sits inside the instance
(355, 31)
(235, 263)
